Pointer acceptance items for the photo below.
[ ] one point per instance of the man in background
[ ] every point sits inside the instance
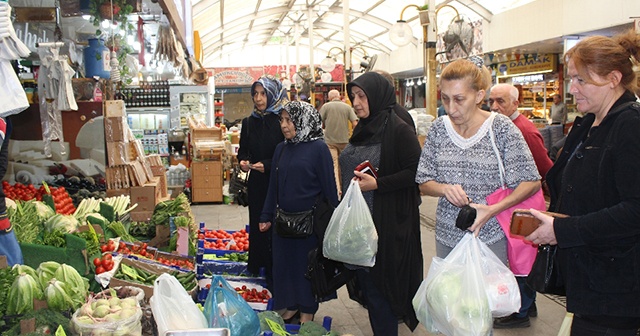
(336, 116)
(558, 111)
(503, 98)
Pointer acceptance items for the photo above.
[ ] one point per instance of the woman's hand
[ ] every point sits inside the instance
(455, 195)
(483, 214)
(264, 226)
(259, 166)
(245, 165)
(544, 234)
(366, 181)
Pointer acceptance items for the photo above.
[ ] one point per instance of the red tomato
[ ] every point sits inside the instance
(107, 264)
(104, 248)
(99, 270)
(107, 256)
(97, 262)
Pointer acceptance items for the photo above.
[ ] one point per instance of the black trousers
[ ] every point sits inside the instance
(583, 327)
(383, 320)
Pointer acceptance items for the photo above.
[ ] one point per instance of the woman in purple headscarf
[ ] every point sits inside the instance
(259, 136)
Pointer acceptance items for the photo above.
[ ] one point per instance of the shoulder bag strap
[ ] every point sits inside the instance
(495, 149)
(277, 169)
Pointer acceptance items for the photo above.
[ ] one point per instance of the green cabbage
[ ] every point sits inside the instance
(77, 285)
(44, 211)
(56, 294)
(45, 272)
(19, 269)
(66, 223)
(21, 294)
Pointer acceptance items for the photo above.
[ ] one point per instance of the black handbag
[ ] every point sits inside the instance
(239, 187)
(545, 275)
(326, 275)
(294, 224)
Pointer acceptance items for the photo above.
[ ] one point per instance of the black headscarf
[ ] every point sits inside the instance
(381, 96)
(306, 120)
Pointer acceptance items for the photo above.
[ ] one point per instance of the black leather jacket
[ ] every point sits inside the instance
(596, 180)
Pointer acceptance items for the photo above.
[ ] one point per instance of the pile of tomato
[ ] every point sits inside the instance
(253, 295)
(182, 263)
(22, 192)
(219, 240)
(103, 264)
(123, 248)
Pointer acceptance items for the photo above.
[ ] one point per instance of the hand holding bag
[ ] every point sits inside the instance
(520, 252)
(351, 236)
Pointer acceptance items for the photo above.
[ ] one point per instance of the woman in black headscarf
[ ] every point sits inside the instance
(302, 171)
(259, 136)
(393, 198)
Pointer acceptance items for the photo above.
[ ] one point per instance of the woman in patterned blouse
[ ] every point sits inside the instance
(458, 163)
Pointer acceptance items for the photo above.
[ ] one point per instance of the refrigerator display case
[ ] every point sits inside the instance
(190, 101)
(151, 126)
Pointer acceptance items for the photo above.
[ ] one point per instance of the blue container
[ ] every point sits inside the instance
(96, 59)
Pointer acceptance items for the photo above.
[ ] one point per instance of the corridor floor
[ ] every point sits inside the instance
(352, 319)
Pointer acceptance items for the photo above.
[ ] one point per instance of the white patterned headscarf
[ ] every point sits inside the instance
(306, 120)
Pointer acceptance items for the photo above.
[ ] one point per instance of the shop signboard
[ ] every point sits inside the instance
(245, 76)
(529, 65)
(31, 34)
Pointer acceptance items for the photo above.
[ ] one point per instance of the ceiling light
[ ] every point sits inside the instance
(400, 33)
(328, 64)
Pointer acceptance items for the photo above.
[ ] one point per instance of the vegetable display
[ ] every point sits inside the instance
(137, 275)
(108, 314)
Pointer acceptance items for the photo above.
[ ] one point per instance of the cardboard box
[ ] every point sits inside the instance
(118, 153)
(158, 170)
(141, 216)
(147, 267)
(115, 129)
(162, 185)
(146, 196)
(117, 192)
(114, 108)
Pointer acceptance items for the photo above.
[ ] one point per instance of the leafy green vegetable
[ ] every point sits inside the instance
(57, 296)
(54, 238)
(119, 229)
(44, 317)
(21, 294)
(181, 221)
(7, 276)
(27, 223)
(312, 328)
(93, 243)
(67, 223)
(166, 209)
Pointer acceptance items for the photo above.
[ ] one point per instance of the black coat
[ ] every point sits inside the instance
(258, 140)
(599, 187)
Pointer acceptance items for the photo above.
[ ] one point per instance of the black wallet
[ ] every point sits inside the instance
(466, 216)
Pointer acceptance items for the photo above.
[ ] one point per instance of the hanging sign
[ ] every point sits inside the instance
(543, 63)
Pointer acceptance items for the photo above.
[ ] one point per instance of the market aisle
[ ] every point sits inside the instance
(348, 316)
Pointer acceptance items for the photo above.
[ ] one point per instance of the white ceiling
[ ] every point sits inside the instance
(229, 28)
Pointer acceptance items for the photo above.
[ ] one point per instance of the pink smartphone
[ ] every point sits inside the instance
(366, 167)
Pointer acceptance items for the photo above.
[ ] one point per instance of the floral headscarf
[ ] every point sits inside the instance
(276, 95)
(306, 120)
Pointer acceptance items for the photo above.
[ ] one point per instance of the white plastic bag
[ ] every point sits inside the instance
(173, 308)
(456, 301)
(351, 235)
(500, 283)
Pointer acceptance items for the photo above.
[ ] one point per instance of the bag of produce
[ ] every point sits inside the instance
(224, 308)
(351, 236)
(173, 308)
(107, 314)
(455, 300)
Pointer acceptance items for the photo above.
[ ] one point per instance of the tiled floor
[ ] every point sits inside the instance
(348, 316)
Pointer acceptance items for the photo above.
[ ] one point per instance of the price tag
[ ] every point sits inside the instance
(276, 328)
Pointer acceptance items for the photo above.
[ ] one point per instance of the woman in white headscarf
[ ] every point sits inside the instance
(301, 173)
